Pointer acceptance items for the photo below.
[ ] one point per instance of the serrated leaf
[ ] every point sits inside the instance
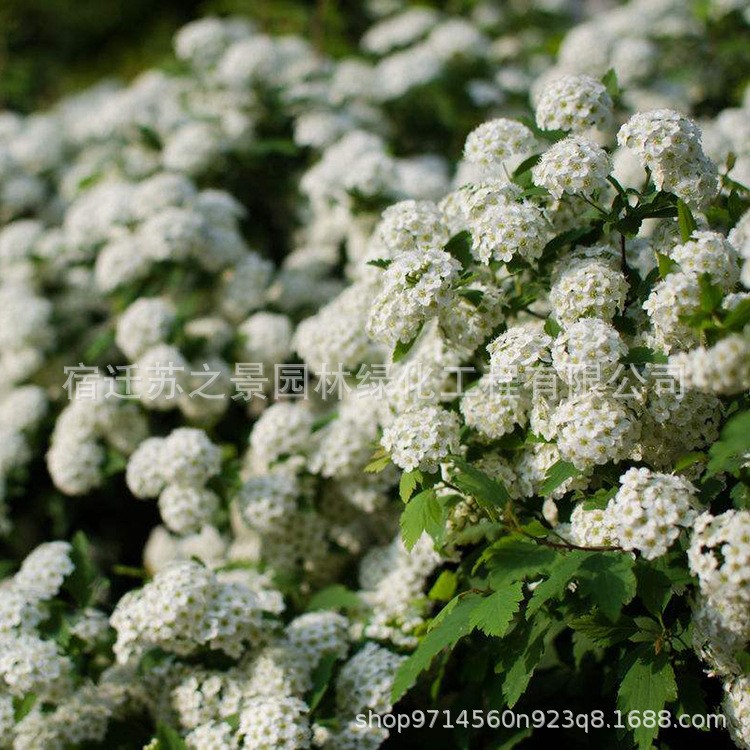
(321, 679)
(561, 573)
(727, 453)
(378, 462)
(734, 206)
(80, 582)
(169, 739)
(454, 626)
(557, 474)
(444, 587)
(641, 355)
(380, 262)
(738, 317)
(486, 491)
(665, 264)
(523, 649)
(334, 597)
(423, 513)
(647, 685)
(601, 631)
(690, 695)
(654, 587)
(408, 483)
(402, 348)
(22, 706)
(459, 246)
(475, 296)
(711, 294)
(611, 84)
(607, 578)
(685, 220)
(552, 327)
(513, 558)
(494, 613)
(688, 460)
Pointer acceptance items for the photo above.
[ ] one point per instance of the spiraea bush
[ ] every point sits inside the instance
(513, 478)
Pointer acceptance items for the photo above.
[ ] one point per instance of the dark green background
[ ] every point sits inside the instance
(51, 47)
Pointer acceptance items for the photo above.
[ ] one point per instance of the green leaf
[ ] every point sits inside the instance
(561, 573)
(641, 355)
(727, 454)
(601, 631)
(523, 651)
(654, 587)
(734, 206)
(408, 483)
(514, 557)
(403, 348)
(522, 173)
(321, 679)
(22, 706)
(666, 265)
(647, 685)
(607, 578)
(150, 137)
(711, 294)
(685, 220)
(459, 246)
(334, 597)
(739, 316)
(494, 613)
(611, 84)
(422, 513)
(552, 327)
(688, 460)
(475, 296)
(380, 262)
(444, 587)
(557, 474)
(691, 699)
(273, 146)
(486, 491)
(454, 626)
(80, 582)
(169, 739)
(379, 461)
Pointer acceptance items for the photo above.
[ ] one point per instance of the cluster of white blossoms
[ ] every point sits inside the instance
(502, 226)
(415, 287)
(669, 145)
(422, 438)
(495, 142)
(650, 509)
(718, 557)
(176, 469)
(267, 205)
(185, 607)
(574, 165)
(574, 103)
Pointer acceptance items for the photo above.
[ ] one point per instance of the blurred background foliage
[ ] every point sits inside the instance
(51, 47)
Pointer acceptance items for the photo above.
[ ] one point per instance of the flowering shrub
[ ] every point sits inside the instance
(410, 382)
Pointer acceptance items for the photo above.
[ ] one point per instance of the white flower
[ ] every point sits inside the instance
(422, 438)
(574, 166)
(574, 103)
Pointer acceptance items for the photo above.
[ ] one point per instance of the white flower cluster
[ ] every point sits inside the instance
(422, 438)
(130, 215)
(718, 557)
(176, 469)
(669, 145)
(576, 103)
(575, 165)
(187, 607)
